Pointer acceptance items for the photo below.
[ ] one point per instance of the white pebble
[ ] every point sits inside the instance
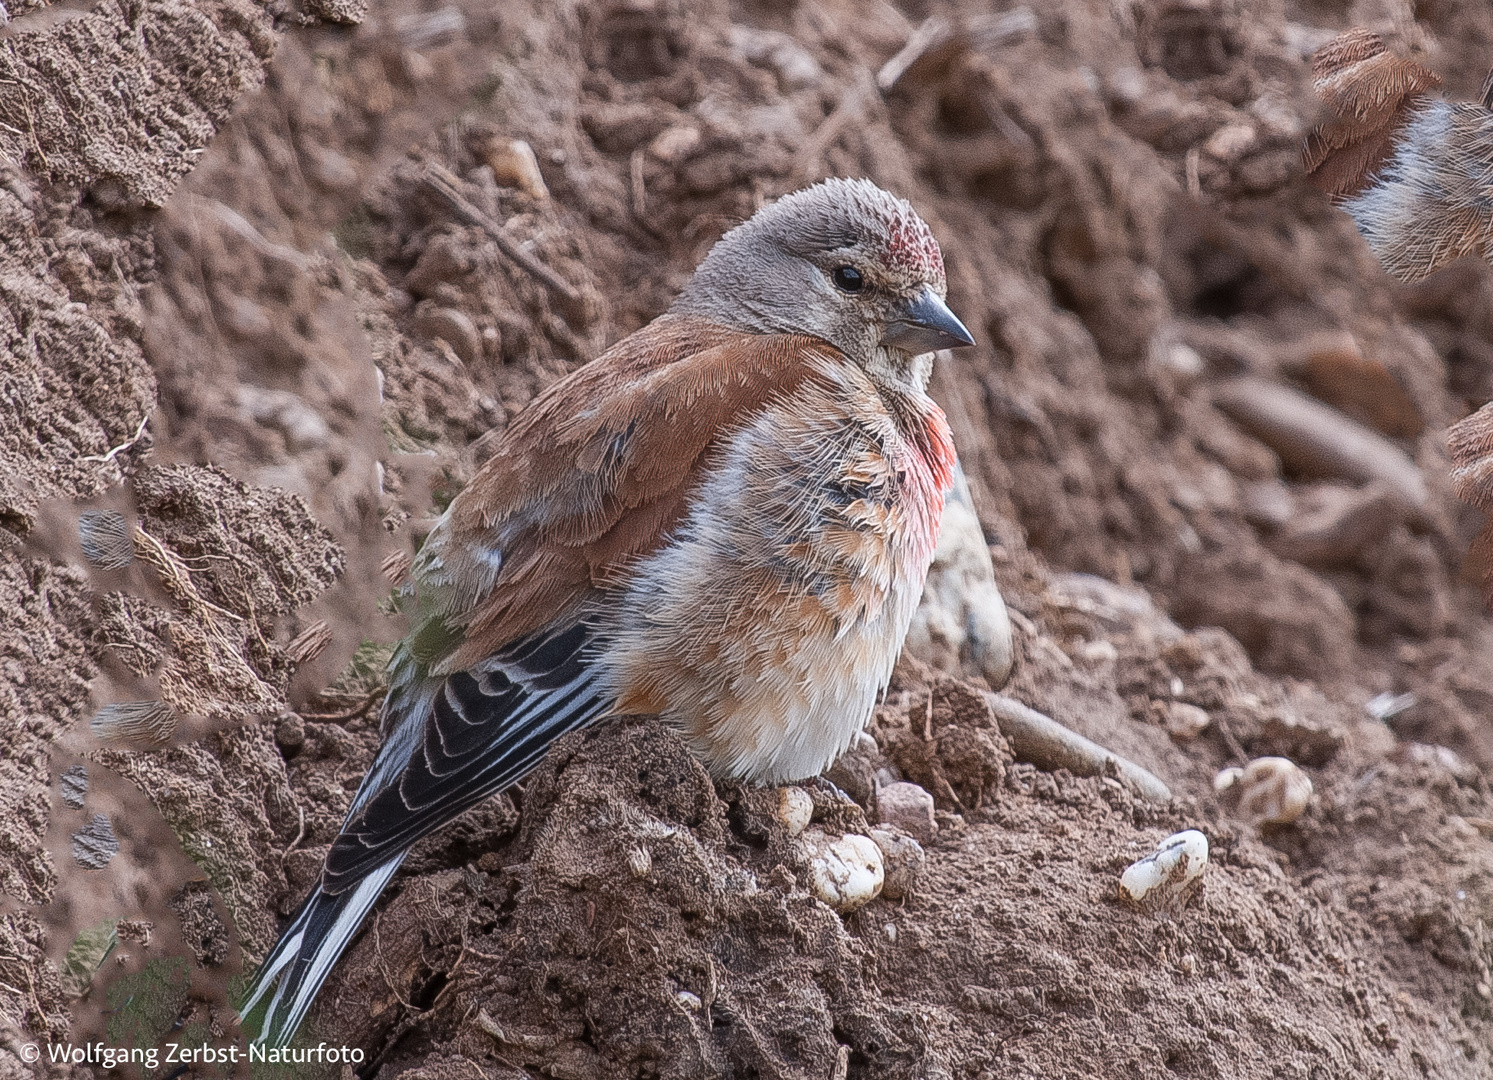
(1186, 722)
(1168, 876)
(514, 165)
(845, 872)
(675, 144)
(795, 808)
(690, 1001)
(1268, 791)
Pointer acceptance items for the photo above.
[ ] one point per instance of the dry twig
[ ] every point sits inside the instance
(1045, 743)
(1319, 440)
(445, 184)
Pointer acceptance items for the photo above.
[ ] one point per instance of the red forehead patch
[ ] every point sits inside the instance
(910, 246)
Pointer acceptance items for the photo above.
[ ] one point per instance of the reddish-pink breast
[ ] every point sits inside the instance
(928, 464)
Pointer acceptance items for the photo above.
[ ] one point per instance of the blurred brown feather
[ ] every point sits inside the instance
(1369, 93)
(1411, 169)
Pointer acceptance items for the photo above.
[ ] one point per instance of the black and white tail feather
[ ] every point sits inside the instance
(448, 745)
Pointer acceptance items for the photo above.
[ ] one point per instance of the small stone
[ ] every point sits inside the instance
(845, 872)
(1183, 360)
(243, 318)
(301, 425)
(445, 261)
(902, 859)
(1168, 877)
(1267, 504)
(1333, 524)
(415, 66)
(794, 65)
(1186, 722)
(492, 345)
(329, 170)
(514, 165)
(908, 807)
(854, 771)
(675, 144)
(1102, 651)
(795, 809)
(690, 1001)
(1438, 757)
(1230, 141)
(453, 327)
(1267, 791)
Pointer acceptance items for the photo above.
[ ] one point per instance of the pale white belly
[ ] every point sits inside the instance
(768, 624)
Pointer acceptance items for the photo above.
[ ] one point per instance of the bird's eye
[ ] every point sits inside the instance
(848, 279)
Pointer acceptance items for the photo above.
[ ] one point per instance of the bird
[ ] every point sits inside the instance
(724, 521)
(1410, 169)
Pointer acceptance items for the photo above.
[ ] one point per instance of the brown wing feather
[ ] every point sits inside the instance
(1369, 94)
(594, 473)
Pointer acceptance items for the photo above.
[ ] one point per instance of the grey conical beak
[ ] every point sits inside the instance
(924, 323)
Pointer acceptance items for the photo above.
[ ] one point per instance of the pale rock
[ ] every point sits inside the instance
(453, 327)
(1267, 791)
(1167, 878)
(676, 143)
(795, 809)
(902, 859)
(1185, 722)
(514, 165)
(846, 872)
(908, 807)
(962, 613)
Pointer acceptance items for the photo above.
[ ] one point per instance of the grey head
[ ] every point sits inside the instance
(843, 261)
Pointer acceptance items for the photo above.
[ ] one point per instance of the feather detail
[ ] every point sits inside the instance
(1415, 173)
(597, 471)
(462, 739)
(1370, 95)
(768, 625)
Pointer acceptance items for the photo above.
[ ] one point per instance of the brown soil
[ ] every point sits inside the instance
(217, 222)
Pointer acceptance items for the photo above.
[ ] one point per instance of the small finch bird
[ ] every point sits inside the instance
(724, 521)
